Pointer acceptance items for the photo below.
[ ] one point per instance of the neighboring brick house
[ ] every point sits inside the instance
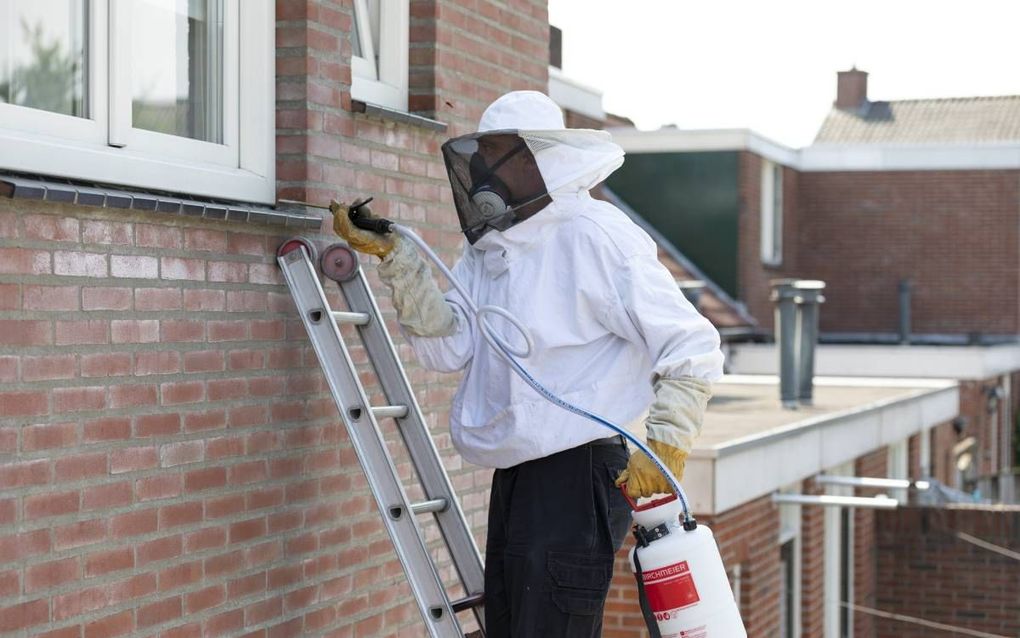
(889, 192)
(784, 561)
(924, 191)
(917, 196)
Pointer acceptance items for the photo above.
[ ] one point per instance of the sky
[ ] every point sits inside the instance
(770, 65)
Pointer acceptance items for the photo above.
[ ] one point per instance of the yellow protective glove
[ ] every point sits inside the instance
(363, 241)
(644, 479)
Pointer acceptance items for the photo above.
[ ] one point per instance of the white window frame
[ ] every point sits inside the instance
(1006, 425)
(790, 531)
(924, 452)
(105, 148)
(771, 213)
(383, 80)
(833, 573)
(736, 582)
(898, 466)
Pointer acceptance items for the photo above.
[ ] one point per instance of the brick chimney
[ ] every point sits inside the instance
(851, 89)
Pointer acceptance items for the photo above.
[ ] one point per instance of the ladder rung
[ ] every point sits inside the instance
(468, 602)
(356, 318)
(434, 505)
(390, 411)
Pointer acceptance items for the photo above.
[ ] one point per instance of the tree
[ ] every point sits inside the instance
(51, 81)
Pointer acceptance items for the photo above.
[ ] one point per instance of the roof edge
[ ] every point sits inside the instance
(680, 258)
(827, 157)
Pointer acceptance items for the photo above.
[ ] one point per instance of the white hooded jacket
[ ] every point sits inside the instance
(606, 317)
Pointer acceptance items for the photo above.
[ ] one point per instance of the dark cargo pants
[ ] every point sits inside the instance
(554, 526)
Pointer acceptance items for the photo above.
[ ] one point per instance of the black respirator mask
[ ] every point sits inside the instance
(484, 200)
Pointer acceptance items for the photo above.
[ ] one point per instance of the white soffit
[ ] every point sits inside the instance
(938, 362)
(825, 157)
(828, 158)
(574, 96)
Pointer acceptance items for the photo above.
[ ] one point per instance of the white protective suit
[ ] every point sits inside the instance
(607, 318)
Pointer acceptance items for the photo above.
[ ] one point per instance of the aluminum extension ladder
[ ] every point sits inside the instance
(296, 258)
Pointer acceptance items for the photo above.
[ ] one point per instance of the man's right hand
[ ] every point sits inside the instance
(363, 241)
(644, 479)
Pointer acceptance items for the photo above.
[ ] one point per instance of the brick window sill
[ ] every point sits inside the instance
(394, 115)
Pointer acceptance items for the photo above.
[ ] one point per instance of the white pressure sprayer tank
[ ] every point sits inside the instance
(684, 581)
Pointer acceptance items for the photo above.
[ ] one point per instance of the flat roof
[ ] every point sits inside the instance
(751, 446)
(745, 409)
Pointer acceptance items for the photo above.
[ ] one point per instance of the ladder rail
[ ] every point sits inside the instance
(396, 387)
(348, 393)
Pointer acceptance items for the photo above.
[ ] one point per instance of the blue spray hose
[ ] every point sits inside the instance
(510, 354)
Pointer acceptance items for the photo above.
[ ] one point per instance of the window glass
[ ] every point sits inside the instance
(771, 213)
(777, 212)
(177, 67)
(787, 589)
(373, 20)
(380, 46)
(43, 51)
(356, 38)
(846, 542)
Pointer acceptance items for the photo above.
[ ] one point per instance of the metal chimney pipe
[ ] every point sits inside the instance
(809, 298)
(906, 291)
(784, 296)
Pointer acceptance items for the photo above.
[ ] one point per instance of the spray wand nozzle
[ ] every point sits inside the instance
(362, 218)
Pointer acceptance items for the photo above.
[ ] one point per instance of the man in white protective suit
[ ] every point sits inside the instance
(612, 334)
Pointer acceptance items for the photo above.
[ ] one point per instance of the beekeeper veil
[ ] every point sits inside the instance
(520, 159)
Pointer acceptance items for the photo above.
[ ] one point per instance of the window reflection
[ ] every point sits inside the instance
(177, 67)
(43, 55)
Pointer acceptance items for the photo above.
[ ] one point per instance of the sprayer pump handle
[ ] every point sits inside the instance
(647, 506)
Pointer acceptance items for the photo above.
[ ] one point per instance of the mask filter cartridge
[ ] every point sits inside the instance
(488, 203)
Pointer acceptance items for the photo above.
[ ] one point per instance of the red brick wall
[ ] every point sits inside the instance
(573, 119)
(980, 424)
(927, 572)
(943, 465)
(873, 464)
(812, 584)
(988, 432)
(753, 276)
(171, 463)
(463, 56)
(955, 234)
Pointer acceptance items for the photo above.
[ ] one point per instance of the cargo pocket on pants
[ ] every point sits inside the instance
(580, 582)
